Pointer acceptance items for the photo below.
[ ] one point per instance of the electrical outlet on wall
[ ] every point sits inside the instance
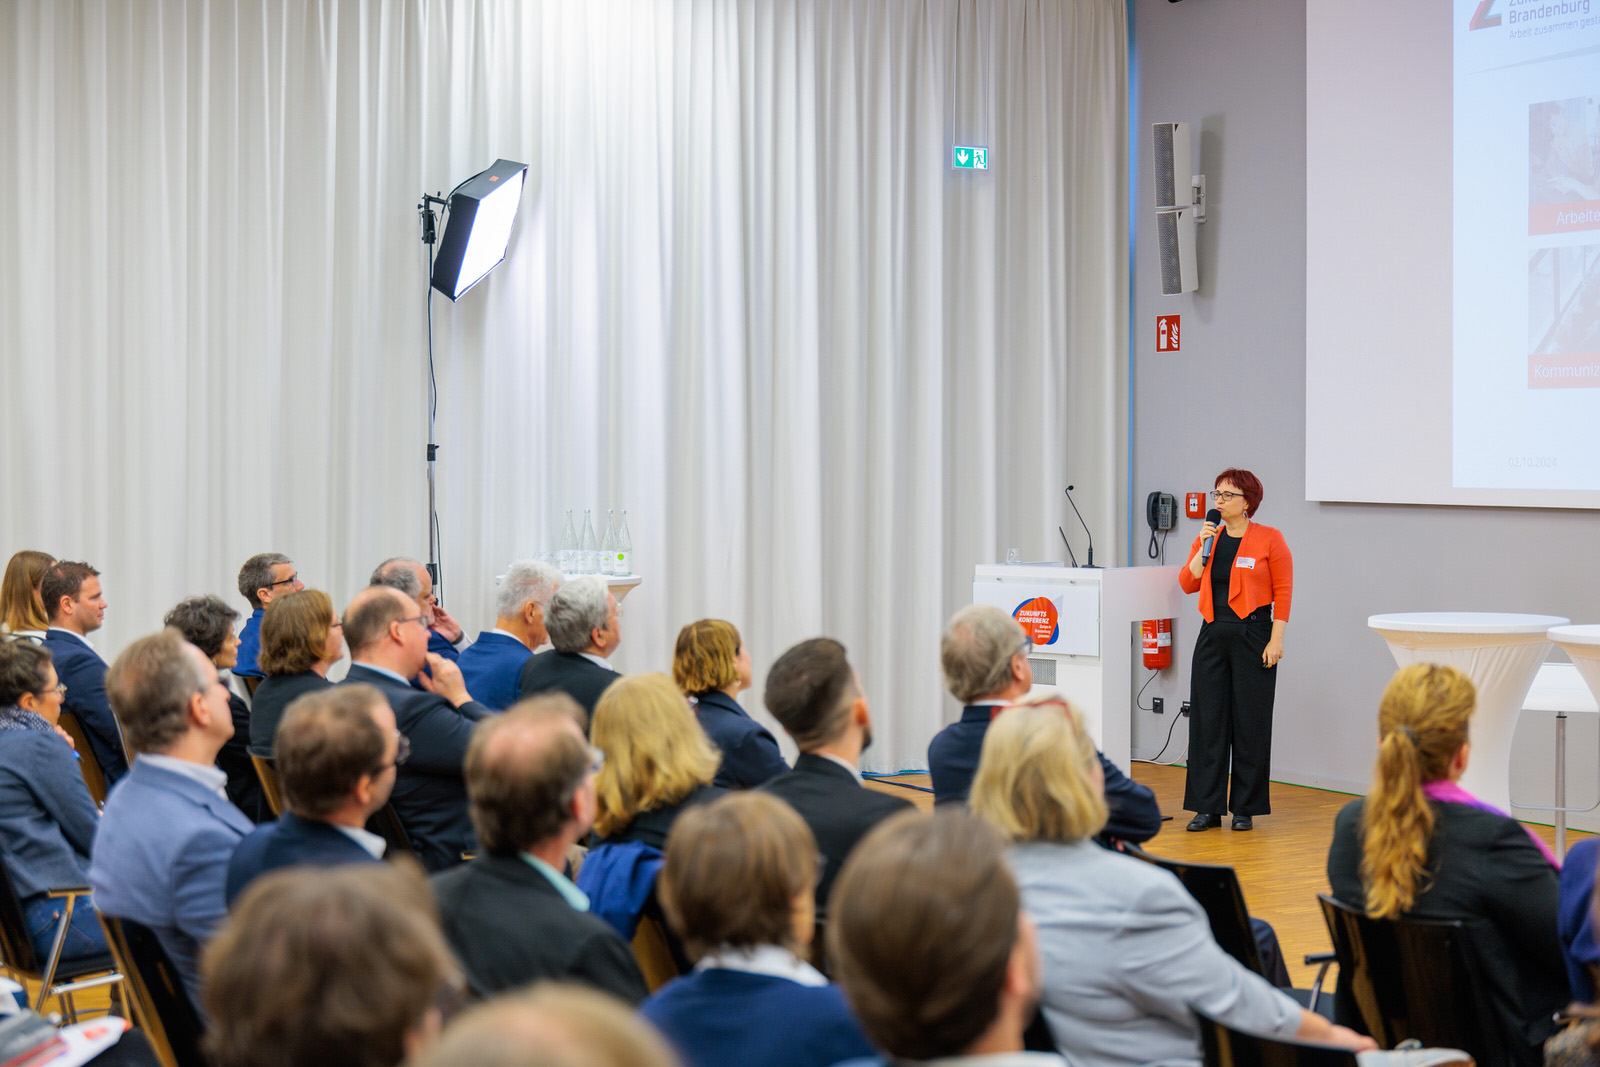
(1158, 705)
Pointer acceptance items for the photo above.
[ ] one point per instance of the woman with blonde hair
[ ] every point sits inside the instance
(21, 608)
(1126, 950)
(1419, 846)
(657, 760)
(712, 667)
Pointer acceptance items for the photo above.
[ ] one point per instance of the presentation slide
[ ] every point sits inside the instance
(1453, 299)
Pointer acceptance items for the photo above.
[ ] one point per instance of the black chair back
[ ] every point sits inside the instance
(1216, 888)
(1223, 1046)
(161, 1004)
(1412, 978)
(16, 947)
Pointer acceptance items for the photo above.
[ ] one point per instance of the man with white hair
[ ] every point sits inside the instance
(492, 665)
(585, 627)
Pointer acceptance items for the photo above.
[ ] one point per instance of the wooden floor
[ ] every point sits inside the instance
(1282, 863)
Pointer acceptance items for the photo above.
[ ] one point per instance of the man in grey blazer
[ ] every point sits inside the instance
(161, 853)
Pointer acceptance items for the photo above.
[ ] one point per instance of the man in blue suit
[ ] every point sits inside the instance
(337, 754)
(492, 665)
(161, 853)
(984, 655)
(412, 578)
(387, 635)
(76, 608)
(264, 575)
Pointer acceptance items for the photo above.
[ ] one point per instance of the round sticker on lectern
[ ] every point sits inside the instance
(1039, 619)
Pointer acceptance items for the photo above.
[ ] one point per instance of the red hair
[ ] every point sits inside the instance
(1246, 483)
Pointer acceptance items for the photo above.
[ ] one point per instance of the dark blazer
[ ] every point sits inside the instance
(272, 699)
(568, 672)
(1579, 945)
(160, 858)
(290, 842)
(429, 795)
(652, 827)
(244, 785)
(83, 672)
(492, 666)
(510, 926)
(716, 1017)
(953, 761)
(750, 753)
(1482, 869)
(837, 807)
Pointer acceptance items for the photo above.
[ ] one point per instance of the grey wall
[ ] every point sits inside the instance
(1235, 396)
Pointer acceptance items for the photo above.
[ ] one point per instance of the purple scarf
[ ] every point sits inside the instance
(1448, 792)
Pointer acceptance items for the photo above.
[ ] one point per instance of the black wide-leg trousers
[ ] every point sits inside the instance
(1230, 715)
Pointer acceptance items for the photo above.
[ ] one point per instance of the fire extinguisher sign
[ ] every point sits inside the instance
(1166, 333)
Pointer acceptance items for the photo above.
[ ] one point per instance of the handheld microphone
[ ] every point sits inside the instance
(1213, 516)
(1070, 554)
(1085, 525)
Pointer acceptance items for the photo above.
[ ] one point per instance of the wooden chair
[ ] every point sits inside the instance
(54, 978)
(1223, 1046)
(269, 783)
(653, 952)
(1216, 888)
(156, 995)
(93, 776)
(1410, 978)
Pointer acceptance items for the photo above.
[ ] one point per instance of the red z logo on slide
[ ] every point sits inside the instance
(1481, 19)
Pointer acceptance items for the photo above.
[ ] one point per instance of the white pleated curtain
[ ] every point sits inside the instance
(747, 298)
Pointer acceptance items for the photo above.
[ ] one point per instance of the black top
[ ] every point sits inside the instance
(1223, 550)
(244, 785)
(273, 696)
(651, 827)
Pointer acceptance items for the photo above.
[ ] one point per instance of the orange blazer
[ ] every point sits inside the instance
(1263, 573)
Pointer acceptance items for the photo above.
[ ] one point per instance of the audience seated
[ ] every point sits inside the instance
(207, 624)
(816, 697)
(984, 655)
(738, 890)
(1576, 918)
(551, 1026)
(263, 578)
(657, 761)
(1127, 951)
(161, 853)
(387, 633)
(22, 611)
(301, 639)
(76, 608)
(412, 578)
(712, 666)
(585, 627)
(931, 946)
(47, 818)
(338, 753)
(492, 665)
(511, 913)
(330, 966)
(1421, 846)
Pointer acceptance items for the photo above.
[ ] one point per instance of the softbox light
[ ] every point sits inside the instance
(478, 227)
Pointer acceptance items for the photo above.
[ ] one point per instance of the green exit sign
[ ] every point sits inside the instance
(971, 157)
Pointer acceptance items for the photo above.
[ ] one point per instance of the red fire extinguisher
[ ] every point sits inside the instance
(1157, 634)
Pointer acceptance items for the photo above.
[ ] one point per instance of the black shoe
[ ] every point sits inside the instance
(1243, 822)
(1204, 822)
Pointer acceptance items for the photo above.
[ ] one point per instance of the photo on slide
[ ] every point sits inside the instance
(1564, 165)
(1564, 317)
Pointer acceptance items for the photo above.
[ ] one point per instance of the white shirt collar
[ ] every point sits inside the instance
(368, 840)
(598, 661)
(72, 633)
(855, 772)
(775, 961)
(213, 778)
(990, 704)
(506, 633)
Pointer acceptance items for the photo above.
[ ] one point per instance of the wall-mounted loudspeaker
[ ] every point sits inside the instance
(1180, 204)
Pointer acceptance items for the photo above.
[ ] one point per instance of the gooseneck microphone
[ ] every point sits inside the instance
(1085, 525)
(1213, 517)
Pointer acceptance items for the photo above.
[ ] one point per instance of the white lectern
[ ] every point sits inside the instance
(1080, 620)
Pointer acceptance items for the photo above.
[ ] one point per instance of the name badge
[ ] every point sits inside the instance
(1247, 563)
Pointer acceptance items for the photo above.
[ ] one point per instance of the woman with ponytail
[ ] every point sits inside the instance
(1419, 846)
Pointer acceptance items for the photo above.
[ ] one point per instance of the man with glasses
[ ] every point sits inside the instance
(512, 914)
(412, 578)
(984, 655)
(388, 638)
(338, 751)
(263, 576)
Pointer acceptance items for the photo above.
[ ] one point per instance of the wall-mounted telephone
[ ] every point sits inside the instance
(1161, 511)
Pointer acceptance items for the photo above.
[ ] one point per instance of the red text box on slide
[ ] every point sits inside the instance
(1570, 370)
(1564, 218)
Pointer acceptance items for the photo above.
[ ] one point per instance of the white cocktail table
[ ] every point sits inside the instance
(1501, 653)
